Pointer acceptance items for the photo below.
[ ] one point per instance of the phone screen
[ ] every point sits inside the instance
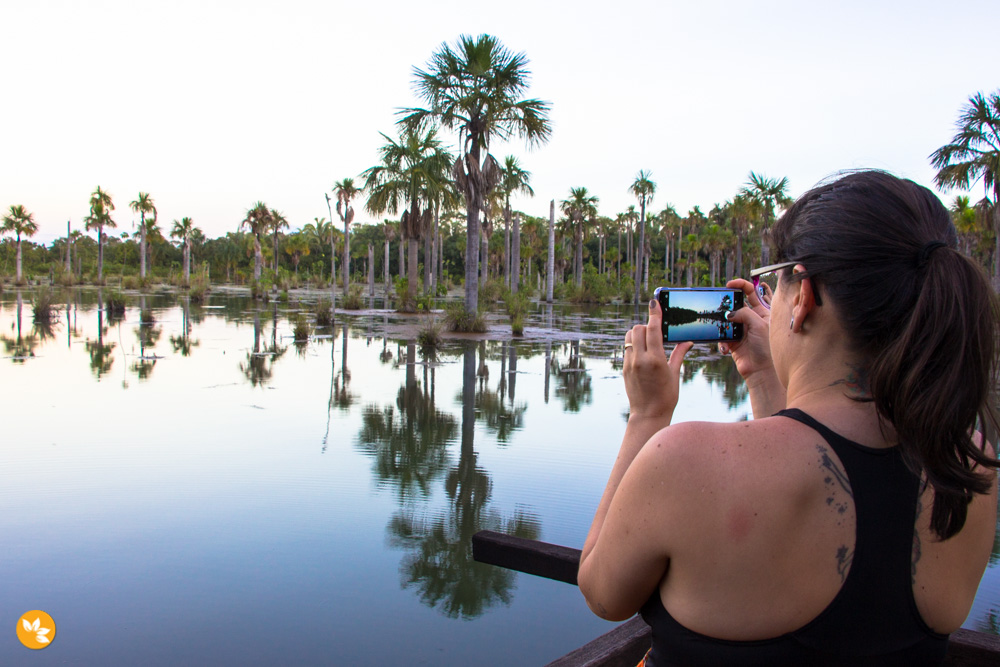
(699, 313)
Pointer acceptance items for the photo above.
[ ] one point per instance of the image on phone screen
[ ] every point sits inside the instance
(699, 314)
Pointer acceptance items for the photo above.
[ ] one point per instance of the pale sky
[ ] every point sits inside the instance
(211, 106)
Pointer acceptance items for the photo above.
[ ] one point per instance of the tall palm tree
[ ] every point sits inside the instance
(974, 155)
(257, 220)
(154, 235)
(345, 191)
(963, 215)
(184, 231)
(19, 222)
(412, 173)
(99, 218)
(476, 88)
(322, 233)
(278, 222)
(767, 193)
(513, 180)
(643, 189)
(580, 207)
(142, 205)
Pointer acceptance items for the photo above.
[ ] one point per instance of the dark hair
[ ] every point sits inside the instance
(922, 316)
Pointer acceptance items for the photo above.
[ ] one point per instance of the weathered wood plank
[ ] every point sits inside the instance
(622, 647)
(530, 556)
(968, 648)
(627, 643)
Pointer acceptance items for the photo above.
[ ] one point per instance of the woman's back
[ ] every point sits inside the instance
(767, 550)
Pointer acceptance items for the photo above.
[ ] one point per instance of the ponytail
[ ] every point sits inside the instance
(934, 379)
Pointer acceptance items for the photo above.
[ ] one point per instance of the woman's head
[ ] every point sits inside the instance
(921, 316)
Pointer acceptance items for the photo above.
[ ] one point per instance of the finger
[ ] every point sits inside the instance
(750, 294)
(654, 330)
(723, 348)
(677, 355)
(639, 337)
(768, 293)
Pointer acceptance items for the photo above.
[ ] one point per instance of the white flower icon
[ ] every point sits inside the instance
(37, 628)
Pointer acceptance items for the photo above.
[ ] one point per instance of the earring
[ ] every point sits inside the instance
(791, 325)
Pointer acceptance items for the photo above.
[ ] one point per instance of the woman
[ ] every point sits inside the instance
(851, 520)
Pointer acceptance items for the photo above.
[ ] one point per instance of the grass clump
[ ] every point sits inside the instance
(301, 328)
(44, 305)
(354, 299)
(115, 303)
(323, 313)
(492, 291)
(429, 336)
(463, 322)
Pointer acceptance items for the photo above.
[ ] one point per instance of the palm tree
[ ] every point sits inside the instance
(297, 247)
(513, 179)
(475, 89)
(143, 205)
(413, 171)
(257, 220)
(18, 221)
(741, 212)
(345, 192)
(154, 235)
(963, 215)
(278, 222)
(643, 189)
(580, 207)
(973, 155)
(99, 218)
(183, 231)
(767, 193)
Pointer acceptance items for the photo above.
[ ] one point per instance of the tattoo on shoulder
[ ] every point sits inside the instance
(856, 382)
(844, 558)
(835, 474)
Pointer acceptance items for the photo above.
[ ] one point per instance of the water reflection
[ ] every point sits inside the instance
(183, 343)
(258, 366)
(20, 347)
(573, 383)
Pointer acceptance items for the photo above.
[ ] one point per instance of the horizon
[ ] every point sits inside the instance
(212, 107)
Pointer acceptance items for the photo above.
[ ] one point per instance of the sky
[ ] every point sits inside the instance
(210, 106)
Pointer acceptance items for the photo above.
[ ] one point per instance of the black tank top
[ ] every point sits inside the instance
(873, 620)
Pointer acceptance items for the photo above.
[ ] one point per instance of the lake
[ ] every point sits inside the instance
(187, 484)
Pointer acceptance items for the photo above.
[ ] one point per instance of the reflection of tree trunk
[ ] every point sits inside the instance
(411, 381)
(20, 305)
(512, 369)
(548, 367)
(503, 372)
(468, 397)
(329, 403)
(256, 332)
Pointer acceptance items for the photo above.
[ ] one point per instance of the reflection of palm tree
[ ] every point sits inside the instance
(573, 380)
(183, 343)
(100, 354)
(439, 561)
(259, 364)
(20, 347)
(408, 441)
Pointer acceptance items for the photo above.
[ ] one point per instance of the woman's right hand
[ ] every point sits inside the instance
(752, 353)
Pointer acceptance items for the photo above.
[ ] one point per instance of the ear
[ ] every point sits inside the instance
(803, 302)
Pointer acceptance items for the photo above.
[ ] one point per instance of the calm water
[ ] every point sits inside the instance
(192, 487)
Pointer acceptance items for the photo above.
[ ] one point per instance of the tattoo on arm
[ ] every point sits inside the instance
(844, 558)
(856, 383)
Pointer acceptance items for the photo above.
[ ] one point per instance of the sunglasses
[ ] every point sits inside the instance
(757, 274)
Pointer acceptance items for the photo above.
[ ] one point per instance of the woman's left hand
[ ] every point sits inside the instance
(652, 382)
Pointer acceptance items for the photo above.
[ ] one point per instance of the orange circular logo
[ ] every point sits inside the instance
(36, 629)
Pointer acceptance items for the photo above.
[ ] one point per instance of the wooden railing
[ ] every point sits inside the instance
(625, 645)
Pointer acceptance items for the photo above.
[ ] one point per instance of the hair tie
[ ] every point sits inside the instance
(925, 252)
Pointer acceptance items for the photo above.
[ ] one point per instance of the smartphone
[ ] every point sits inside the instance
(699, 313)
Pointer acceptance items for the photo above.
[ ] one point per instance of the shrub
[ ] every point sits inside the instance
(404, 296)
(199, 288)
(517, 325)
(459, 320)
(130, 282)
(491, 292)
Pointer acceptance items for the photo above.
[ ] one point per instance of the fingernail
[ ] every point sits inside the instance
(729, 314)
(652, 304)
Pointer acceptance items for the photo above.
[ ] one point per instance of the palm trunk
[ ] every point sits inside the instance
(515, 262)
(551, 263)
(187, 262)
(19, 258)
(428, 242)
(642, 246)
(69, 250)
(258, 259)
(506, 245)
(485, 260)
(402, 257)
(385, 268)
(411, 268)
(100, 255)
(333, 262)
(275, 253)
(142, 245)
(371, 270)
(346, 264)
